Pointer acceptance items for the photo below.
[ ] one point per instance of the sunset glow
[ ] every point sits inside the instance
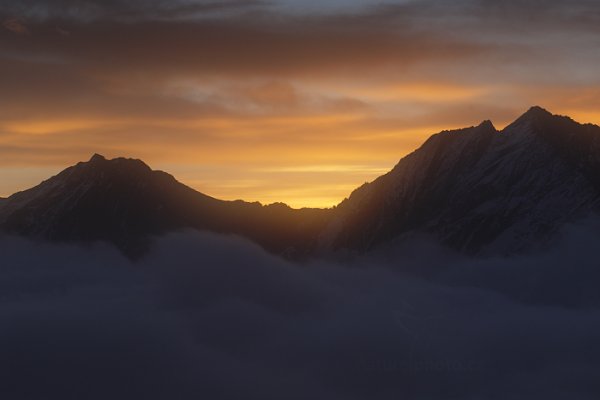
(300, 108)
(299, 199)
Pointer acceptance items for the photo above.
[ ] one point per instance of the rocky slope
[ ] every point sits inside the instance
(479, 190)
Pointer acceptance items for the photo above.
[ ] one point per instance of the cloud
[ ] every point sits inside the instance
(16, 26)
(62, 31)
(210, 316)
(91, 10)
(200, 82)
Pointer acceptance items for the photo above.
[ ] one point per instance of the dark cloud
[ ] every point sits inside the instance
(132, 10)
(215, 317)
(269, 42)
(87, 10)
(16, 26)
(234, 49)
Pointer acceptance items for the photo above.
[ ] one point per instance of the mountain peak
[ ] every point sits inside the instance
(99, 163)
(124, 202)
(97, 157)
(537, 112)
(487, 124)
(536, 119)
(477, 191)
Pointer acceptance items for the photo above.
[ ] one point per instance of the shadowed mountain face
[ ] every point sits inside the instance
(480, 190)
(477, 190)
(124, 202)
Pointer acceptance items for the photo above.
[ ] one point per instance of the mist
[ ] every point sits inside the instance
(206, 316)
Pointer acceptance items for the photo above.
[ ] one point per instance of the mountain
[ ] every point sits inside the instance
(477, 190)
(124, 202)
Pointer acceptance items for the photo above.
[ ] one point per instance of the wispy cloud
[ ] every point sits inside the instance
(16, 26)
(273, 85)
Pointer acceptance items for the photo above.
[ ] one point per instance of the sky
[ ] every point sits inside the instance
(293, 101)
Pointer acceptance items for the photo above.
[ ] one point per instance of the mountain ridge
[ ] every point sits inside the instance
(478, 190)
(462, 171)
(125, 202)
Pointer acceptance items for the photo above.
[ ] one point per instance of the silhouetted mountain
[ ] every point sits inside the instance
(124, 202)
(478, 190)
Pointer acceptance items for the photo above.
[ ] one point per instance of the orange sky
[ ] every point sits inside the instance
(277, 105)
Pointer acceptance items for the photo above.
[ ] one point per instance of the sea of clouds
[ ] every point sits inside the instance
(215, 317)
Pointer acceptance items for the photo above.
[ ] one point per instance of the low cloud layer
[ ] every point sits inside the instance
(215, 317)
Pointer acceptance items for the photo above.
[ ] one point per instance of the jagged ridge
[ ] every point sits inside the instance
(478, 190)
